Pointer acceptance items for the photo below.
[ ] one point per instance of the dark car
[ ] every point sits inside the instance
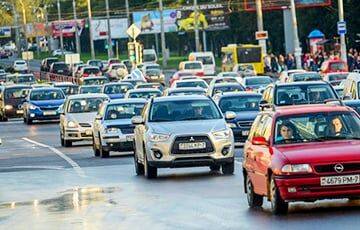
(246, 107)
(60, 68)
(116, 90)
(11, 99)
(46, 63)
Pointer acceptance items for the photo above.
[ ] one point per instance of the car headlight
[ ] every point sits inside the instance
(72, 124)
(223, 134)
(8, 107)
(231, 125)
(155, 137)
(296, 168)
(112, 130)
(33, 107)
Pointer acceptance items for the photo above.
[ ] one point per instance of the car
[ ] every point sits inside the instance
(20, 66)
(60, 68)
(244, 70)
(335, 78)
(149, 56)
(99, 80)
(229, 74)
(207, 59)
(351, 87)
(256, 82)
(77, 70)
(178, 75)
(153, 73)
(77, 117)
(284, 75)
(112, 61)
(190, 83)
(333, 66)
(302, 153)
(207, 79)
(134, 82)
(220, 88)
(246, 107)
(297, 93)
(154, 85)
(89, 71)
(84, 89)
(43, 104)
(46, 63)
(116, 90)
(96, 63)
(143, 93)
(194, 67)
(182, 131)
(307, 76)
(113, 130)
(354, 104)
(11, 100)
(73, 67)
(24, 78)
(116, 71)
(68, 88)
(185, 91)
(59, 52)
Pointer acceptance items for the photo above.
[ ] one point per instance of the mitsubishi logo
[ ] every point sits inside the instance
(192, 139)
(339, 168)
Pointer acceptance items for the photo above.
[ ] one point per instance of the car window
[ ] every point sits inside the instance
(192, 65)
(258, 81)
(98, 81)
(69, 90)
(91, 71)
(191, 84)
(337, 77)
(25, 79)
(240, 103)
(146, 95)
(206, 60)
(15, 93)
(117, 89)
(227, 88)
(85, 105)
(90, 89)
(123, 111)
(337, 66)
(306, 77)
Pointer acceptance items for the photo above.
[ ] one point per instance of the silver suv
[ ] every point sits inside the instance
(182, 131)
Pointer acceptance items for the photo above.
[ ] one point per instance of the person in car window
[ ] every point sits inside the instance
(337, 127)
(285, 133)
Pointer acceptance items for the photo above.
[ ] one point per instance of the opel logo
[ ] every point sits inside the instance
(339, 168)
(192, 139)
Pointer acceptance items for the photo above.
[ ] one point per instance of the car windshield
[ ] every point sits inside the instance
(337, 77)
(337, 66)
(96, 63)
(90, 89)
(240, 103)
(123, 111)
(206, 60)
(192, 65)
(85, 105)
(229, 74)
(117, 89)
(60, 66)
(150, 86)
(69, 90)
(152, 67)
(187, 92)
(303, 94)
(226, 80)
(149, 57)
(91, 71)
(317, 127)
(97, 81)
(25, 79)
(50, 61)
(15, 93)
(307, 77)
(153, 72)
(168, 111)
(145, 95)
(191, 84)
(258, 81)
(228, 88)
(44, 95)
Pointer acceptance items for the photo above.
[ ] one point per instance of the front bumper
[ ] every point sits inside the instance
(43, 115)
(78, 134)
(240, 135)
(309, 188)
(118, 142)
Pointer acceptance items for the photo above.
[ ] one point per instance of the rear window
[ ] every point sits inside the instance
(25, 79)
(337, 77)
(62, 66)
(191, 84)
(117, 89)
(193, 65)
(258, 81)
(149, 57)
(91, 71)
(307, 77)
(337, 66)
(228, 88)
(20, 62)
(206, 60)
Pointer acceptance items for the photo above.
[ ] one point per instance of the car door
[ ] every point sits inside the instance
(63, 115)
(139, 134)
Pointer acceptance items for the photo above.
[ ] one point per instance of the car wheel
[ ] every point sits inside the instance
(228, 168)
(103, 153)
(215, 167)
(278, 205)
(139, 168)
(254, 200)
(62, 141)
(67, 143)
(28, 121)
(96, 150)
(149, 171)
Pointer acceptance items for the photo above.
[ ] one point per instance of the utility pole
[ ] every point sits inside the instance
(110, 48)
(90, 31)
(260, 25)
(61, 28)
(163, 42)
(196, 22)
(342, 35)
(127, 11)
(17, 33)
(48, 38)
(297, 53)
(25, 22)
(77, 38)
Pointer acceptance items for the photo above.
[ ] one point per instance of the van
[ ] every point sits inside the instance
(351, 87)
(207, 59)
(149, 56)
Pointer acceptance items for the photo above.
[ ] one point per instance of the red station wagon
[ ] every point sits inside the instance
(302, 153)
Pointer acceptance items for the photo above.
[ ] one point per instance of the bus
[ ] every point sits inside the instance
(242, 54)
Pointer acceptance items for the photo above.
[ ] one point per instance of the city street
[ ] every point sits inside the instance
(45, 184)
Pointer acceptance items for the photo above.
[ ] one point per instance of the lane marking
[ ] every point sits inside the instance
(75, 166)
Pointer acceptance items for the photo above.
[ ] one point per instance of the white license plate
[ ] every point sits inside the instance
(339, 180)
(245, 133)
(49, 113)
(129, 138)
(154, 77)
(189, 146)
(19, 111)
(88, 132)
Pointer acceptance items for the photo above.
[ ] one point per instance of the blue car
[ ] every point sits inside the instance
(43, 104)
(116, 90)
(246, 107)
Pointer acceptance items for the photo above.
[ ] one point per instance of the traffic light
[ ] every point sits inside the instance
(131, 52)
(139, 52)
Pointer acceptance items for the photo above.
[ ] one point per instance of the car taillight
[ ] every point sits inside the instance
(248, 89)
(200, 74)
(85, 75)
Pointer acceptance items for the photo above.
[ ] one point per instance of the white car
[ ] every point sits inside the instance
(77, 117)
(207, 59)
(190, 83)
(20, 66)
(117, 71)
(284, 75)
(59, 52)
(194, 67)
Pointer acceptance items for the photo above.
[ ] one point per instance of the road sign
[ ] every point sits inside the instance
(133, 31)
(341, 27)
(261, 35)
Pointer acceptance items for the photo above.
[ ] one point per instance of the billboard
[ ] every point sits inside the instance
(35, 29)
(149, 21)
(5, 32)
(211, 17)
(250, 5)
(118, 28)
(68, 27)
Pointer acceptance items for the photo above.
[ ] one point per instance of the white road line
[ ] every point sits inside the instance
(75, 166)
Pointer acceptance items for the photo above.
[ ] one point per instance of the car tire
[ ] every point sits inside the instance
(96, 150)
(228, 168)
(103, 153)
(214, 167)
(28, 121)
(67, 143)
(254, 200)
(149, 171)
(62, 141)
(278, 205)
(139, 168)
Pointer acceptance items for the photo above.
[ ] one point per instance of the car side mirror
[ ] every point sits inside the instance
(137, 120)
(264, 104)
(346, 97)
(259, 141)
(229, 115)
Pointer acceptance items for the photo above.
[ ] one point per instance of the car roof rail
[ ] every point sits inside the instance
(333, 101)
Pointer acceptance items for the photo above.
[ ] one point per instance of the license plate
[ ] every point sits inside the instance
(19, 111)
(88, 132)
(49, 113)
(245, 133)
(189, 146)
(154, 77)
(339, 180)
(129, 138)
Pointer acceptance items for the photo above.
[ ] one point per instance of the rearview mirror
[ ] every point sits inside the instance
(229, 115)
(137, 120)
(259, 141)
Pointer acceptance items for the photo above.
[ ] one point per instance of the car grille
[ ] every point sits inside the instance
(330, 168)
(48, 108)
(186, 139)
(125, 129)
(85, 125)
(245, 124)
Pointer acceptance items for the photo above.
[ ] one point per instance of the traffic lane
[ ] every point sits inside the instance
(192, 198)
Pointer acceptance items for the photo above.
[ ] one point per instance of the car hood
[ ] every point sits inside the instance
(82, 117)
(47, 103)
(246, 116)
(119, 122)
(188, 127)
(323, 152)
